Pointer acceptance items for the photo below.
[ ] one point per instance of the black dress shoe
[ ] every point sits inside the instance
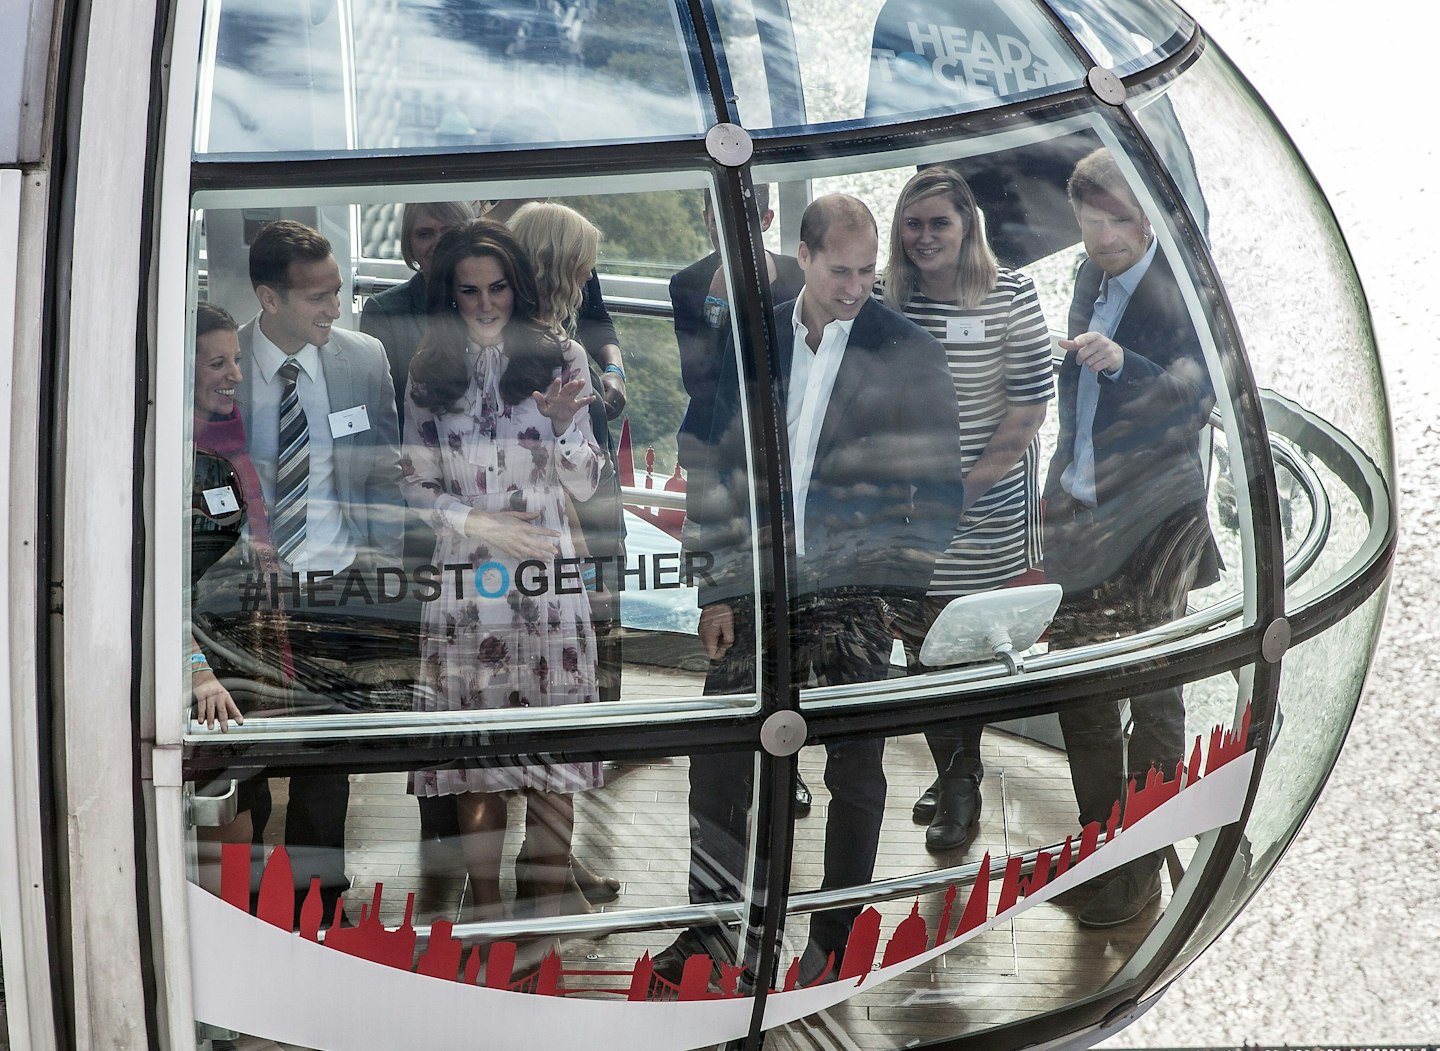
(956, 817)
(803, 798)
(818, 966)
(924, 809)
(597, 889)
(669, 962)
(1133, 887)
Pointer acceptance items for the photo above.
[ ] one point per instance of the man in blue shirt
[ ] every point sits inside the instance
(1126, 534)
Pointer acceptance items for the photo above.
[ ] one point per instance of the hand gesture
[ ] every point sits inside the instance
(1095, 352)
(717, 630)
(559, 402)
(213, 701)
(614, 399)
(513, 532)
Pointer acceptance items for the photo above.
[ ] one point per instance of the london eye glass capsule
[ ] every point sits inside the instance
(747, 520)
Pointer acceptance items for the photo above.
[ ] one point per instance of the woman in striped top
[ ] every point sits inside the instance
(943, 275)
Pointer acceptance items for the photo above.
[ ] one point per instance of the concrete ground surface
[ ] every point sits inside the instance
(1349, 951)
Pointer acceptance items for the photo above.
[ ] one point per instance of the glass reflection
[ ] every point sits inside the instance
(1125, 36)
(618, 567)
(806, 62)
(380, 74)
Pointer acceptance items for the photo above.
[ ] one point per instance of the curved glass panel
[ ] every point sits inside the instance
(572, 895)
(925, 56)
(940, 958)
(1143, 520)
(399, 559)
(1320, 687)
(1247, 168)
(337, 75)
(1128, 35)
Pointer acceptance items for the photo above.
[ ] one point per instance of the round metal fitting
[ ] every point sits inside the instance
(1276, 640)
(729, 144)
(783, 733)
(1106, 85)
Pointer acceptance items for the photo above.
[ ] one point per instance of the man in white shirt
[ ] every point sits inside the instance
(874, 444)
(330, 475)
(1126, 533)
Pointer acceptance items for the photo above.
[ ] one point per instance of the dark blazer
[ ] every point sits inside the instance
(698, 343)
(886, 489)
(702, 348)
(396, 317)
(1146, 432)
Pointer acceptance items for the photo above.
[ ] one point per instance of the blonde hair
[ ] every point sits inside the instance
(975, 276)
(448, 214)
(562, 245)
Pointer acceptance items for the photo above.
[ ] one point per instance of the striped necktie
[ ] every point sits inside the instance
(292, 472)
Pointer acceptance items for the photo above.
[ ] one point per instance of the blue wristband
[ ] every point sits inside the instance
(616, 369)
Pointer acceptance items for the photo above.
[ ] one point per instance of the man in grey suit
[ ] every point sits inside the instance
(319, 408)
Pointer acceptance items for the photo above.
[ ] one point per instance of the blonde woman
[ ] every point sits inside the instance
(562, 246)
(943, 276)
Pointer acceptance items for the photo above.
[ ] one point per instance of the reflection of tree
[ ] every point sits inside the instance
(636, 40)
(647, 233)
(656, 400)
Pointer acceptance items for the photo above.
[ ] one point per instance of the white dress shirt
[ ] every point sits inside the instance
(328, 546)
(812, 377)
(1078, 479)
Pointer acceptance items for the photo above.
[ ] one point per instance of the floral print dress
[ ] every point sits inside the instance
(485, 642)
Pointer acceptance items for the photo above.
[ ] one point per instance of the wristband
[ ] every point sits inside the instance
(716, 311)
(616, 369)
(198, 662)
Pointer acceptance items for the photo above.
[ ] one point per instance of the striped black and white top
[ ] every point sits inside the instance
(999, 356)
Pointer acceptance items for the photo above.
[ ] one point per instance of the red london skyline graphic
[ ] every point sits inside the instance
(493, 967)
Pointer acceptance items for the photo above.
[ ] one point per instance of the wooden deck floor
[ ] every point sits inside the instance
(636, 830)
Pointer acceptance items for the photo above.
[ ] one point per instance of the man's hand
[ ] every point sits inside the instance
(213, 702)
(613, 385)
(1095, 352)
(717, 630)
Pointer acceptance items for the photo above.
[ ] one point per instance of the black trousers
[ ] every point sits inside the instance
(1149, 589)
(955, 747)
(844, 638)
(322, 646)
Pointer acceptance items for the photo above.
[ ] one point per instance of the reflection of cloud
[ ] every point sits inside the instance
(426, 76)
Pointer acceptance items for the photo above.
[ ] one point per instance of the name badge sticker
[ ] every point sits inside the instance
(349, 421)
(221, 501)
(964, 330)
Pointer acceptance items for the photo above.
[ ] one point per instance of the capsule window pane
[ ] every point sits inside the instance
(1334, 417)
(923, 57)
(462, 556)
(416, 74)
(1320, 686)
(513, 904)
(1123, 488)
(997, 909)
(1127, 36)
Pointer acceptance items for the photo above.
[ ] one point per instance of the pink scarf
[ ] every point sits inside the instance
(226, 438)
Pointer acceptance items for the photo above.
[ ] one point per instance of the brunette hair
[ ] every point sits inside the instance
(279, 244)
(211, 318)
(562, 245)
(1098, 180)
(446, 213)
(975, 275)
(439, 375)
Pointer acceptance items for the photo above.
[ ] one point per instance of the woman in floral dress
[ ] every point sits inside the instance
(497, 433)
